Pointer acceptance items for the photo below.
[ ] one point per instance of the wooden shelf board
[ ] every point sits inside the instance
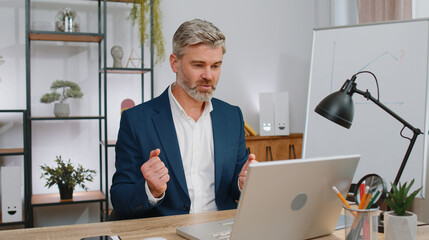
(11, 110)
(110, 143)
(11, 151)
(66, 37)
(78, 197)
(292, 135)
(126, 1)
(64, 118)
(127, 70)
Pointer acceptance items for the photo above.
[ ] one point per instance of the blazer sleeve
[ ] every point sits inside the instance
(128, 194)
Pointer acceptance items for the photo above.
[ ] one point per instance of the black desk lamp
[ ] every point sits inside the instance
(338, 107)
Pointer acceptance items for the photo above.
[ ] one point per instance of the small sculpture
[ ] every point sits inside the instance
(134, 60)
(117, 54)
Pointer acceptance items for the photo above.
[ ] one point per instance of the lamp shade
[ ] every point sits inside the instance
(337, 107)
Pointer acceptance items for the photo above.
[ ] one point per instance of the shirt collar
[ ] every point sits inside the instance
(208, 107)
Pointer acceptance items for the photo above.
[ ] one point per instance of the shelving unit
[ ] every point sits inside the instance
(100, 196)
(38, 200)
(24, 153)
(105, 72)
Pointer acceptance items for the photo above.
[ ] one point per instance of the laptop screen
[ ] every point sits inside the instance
(287, 199)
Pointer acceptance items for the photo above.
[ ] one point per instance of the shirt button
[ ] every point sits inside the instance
(185, 208)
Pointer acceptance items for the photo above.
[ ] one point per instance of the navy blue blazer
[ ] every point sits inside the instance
(149, 126)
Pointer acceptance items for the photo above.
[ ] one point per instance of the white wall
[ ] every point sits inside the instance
(268, 49)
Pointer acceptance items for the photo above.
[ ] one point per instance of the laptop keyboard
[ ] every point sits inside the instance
(222, 235)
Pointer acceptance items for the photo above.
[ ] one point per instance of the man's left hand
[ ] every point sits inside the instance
(243, 173)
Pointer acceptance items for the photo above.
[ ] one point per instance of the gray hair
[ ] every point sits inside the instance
(194, 32)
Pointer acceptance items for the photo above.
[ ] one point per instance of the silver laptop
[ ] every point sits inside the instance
(288, 199)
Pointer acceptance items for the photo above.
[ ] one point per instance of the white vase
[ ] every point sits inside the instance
(400, 227)
(61, 110)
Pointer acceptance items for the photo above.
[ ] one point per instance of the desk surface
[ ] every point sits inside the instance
(143, 228)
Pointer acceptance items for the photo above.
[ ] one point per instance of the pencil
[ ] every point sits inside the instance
(341, 197)
(373, 199)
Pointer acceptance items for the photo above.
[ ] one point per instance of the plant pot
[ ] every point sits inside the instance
(61, 110)
(65, 192)
(400, 227)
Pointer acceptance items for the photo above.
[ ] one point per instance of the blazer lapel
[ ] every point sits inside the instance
(164, 125)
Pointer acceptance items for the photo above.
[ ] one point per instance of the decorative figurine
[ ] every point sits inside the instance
(117, 54)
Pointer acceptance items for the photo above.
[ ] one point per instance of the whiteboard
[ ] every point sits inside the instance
(397, 53)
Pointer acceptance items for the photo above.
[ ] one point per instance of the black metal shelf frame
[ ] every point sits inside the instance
(104, 71)
(66, 37)
(103, 74)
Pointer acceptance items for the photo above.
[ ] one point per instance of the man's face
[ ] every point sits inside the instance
(198, 70)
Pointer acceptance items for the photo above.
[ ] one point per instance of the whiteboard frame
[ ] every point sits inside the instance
(426, 121)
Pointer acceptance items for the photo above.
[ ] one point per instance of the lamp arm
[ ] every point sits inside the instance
(415, 131)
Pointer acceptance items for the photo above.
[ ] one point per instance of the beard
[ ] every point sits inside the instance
(192, 89)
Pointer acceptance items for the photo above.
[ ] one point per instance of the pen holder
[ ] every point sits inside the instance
(361, 223)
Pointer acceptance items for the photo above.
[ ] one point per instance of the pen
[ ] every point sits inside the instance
(341, 197)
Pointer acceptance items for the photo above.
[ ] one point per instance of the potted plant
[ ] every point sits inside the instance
(140, 13)
(66, 176)
(68, 90)
(400, 223)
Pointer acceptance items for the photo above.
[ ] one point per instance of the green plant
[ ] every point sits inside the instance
(398, 200)
(65, 174)
(68, 90)
(140, 13)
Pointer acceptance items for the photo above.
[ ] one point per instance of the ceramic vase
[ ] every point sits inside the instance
(400, 227)
(61, 110)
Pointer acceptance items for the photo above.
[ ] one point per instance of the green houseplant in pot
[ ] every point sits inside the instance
(67, 89)
(400, 223)
(66, 177)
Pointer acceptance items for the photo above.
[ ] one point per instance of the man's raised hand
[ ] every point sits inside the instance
(243, 173)
(155, 173)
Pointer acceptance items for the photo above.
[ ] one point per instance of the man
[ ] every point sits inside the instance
(182, 152)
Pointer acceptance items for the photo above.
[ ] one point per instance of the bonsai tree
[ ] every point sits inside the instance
(66, 175)
(68, 90)
(399, 200)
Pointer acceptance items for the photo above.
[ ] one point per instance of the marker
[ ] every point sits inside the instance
(364, 197)
(361, 191)
(341, 197)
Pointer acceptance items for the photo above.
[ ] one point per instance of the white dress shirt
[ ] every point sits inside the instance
(197, 152)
